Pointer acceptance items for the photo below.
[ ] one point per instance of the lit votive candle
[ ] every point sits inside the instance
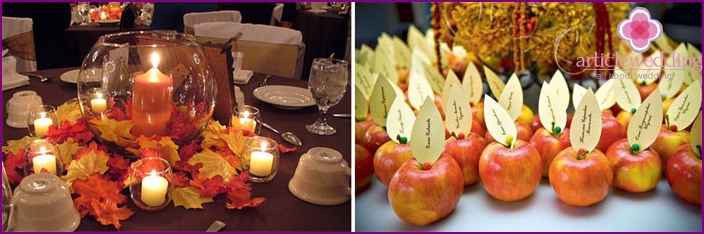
(260, 162)
(103, 15)
(44, 161)
(41, 125)
(99, 104)
(154, 189)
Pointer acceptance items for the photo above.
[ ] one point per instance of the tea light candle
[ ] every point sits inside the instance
(244, 122)
(154, 189)
(151, 103)
(44, 161)
(99, 104)
(103, 15)
(260, 162)
(41, 125)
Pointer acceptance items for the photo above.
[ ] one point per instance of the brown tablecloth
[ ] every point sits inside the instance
(282, 211)
(84, 36)
(323, 33)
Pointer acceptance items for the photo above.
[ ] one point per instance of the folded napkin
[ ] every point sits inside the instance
(242, 76)
(10, 78)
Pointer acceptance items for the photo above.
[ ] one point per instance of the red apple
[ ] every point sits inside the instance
(510, 174)
(360, 128)
(646, 90)
(478, 112)
(581, 180)
(624, 117)
(667, 142)
(466, 152)
(684, 174)
(535, 125)
(523, 130)
(549, 145)
(388, 158)
(363, 168)
(422, 194)
(477, 127)
(374, 137)
(526, 115)
(611, 131)
(666, 105)
(634, 173)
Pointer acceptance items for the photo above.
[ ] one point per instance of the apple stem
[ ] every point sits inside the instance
(667, 121)
(581, 154)
(426, 166)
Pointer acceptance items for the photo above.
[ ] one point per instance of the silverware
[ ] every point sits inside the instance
(41, 78)
(342, 115)
(216, 226)
(263, 83)
(288, 136)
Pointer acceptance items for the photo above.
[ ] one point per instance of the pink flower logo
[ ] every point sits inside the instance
(639, 29)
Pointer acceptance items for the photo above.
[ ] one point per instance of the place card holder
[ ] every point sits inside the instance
(219, 56)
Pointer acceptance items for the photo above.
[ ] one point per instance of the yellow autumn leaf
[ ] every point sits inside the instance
(189, 198)
(69, 112)
(67, 150)
(115, 131)
(91, 160)
(166, 146)
(213, 165)
(15, 145)
(235, 141)
(211, 135)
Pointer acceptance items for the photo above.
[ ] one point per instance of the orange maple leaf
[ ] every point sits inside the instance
(284, 150)
(100, 197)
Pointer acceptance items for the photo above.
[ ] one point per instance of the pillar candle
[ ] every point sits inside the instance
(45, 161)
(154, 189)
(260, 163)
(99, 104)
(151, 103)
(41, 125)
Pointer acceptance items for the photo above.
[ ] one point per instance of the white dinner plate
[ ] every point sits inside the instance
(72, 75)
(317, 11)
(110, 22)
(284, 97)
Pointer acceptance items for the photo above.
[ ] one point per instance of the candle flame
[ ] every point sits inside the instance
(99, 95)
(155, 60)
(153, 173)
(42, 114)
(263, 145)
(42, 150)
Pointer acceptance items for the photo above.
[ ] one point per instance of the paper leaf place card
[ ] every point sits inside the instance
(626, 94)
(472, 84)
(695, 136)
(499, 123)
(605, 95)
(552, 116)
(361, 106)
(401, 52)
(451, 80)
(671, 81)
(586, 123)
(399, 122)
(436, 80)
(692, 74)
(512, 97)
(645, 123)
(496, 85)
(418, 88)
(364, 80)
(382, 97)
(559, 86)
(458, 112)
(685, 107)
(428, 134)
(646, 73)
(577, 93)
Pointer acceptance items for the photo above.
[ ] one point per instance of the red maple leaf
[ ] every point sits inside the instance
(119, 166)
(12, 163)
(284, 150)
(100, 197)
(210, 187)
(180, 179)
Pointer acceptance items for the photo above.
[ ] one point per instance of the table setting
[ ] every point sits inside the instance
(128, 140)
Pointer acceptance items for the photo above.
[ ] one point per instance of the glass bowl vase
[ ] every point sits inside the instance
(151, 84)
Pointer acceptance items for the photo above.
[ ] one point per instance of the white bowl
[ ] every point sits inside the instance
(18, 106)
(43, 203)
(322, 177)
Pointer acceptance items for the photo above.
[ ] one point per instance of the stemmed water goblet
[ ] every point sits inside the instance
(327, 84)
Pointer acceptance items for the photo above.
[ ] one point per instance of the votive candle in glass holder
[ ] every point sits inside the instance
(42, 156)
(98, 101)
(246, 118)
(40, 118)
(261, 159)
(151, 183)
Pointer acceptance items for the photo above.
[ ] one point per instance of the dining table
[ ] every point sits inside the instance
(324, 33)
(282, 211)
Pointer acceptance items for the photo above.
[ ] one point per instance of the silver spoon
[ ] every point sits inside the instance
(288, 136)
(216, 226)
(263, 83)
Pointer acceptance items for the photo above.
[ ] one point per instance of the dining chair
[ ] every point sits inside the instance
(18, 37)
(267, 49)
(191, 19)
(276, 14)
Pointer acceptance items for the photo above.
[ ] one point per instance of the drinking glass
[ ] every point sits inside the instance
(84, 12)
(151, 183)
(327, 84)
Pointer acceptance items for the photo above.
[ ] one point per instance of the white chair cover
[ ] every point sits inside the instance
(12, 26)
(260, 34)
(277, 13)
(191, 19)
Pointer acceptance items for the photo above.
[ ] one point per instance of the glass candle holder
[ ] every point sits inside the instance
(246, 118)
(42, 156)
(98, 101)
(261, 159)
(40, 118)
(151, 183)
